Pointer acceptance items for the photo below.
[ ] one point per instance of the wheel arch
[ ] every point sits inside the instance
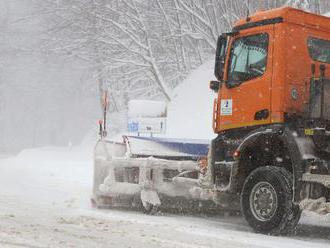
(259, 147)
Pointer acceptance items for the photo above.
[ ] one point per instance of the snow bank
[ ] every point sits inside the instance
(189, 114)
(190, 111)
(146, 108)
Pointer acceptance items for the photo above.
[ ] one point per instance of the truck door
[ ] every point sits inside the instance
(245, 98)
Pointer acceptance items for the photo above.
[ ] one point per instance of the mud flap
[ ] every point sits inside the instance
(151, 197)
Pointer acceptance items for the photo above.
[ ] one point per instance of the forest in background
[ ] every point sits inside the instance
(59, 56)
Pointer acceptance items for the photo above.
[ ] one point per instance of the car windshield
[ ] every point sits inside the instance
(248, 58)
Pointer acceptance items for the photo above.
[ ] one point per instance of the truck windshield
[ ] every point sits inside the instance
(319, 49)
(248, 58)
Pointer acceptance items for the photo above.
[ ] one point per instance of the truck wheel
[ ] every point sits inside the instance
(266, 201)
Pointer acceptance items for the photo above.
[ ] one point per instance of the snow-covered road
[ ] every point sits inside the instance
(44, 202)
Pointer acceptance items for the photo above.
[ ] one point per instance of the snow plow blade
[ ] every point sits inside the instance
(150, 173)
(167, 148)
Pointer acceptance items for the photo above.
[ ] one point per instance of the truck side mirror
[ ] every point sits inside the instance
(220, 57)
(215, 85)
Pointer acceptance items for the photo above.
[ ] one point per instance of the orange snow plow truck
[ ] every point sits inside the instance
(271, 157)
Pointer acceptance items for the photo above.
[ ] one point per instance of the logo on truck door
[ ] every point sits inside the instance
(226, 107)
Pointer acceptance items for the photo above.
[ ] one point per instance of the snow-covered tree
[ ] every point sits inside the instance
(58, 57)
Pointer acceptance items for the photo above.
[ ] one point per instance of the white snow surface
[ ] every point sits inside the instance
(44, 202)
(190, 111)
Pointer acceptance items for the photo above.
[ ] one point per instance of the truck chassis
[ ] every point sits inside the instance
(272, 175)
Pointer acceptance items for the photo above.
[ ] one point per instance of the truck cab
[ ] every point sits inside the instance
(264, 67)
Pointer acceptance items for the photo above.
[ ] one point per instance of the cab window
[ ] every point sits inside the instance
(319, 49)
(248, 58)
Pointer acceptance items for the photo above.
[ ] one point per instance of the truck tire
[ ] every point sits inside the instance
(267, 201)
